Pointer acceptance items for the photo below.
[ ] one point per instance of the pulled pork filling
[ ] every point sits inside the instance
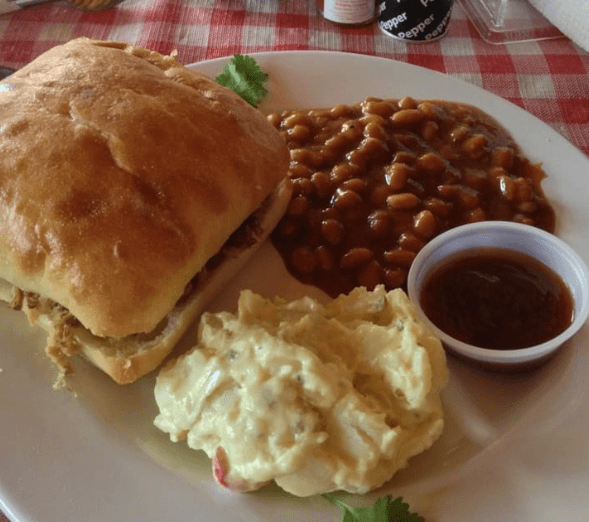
(60, 343)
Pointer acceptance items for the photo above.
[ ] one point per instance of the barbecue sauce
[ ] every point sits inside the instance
(497, 298)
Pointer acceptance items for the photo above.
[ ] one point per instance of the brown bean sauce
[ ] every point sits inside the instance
(376, 180)
(496, 298)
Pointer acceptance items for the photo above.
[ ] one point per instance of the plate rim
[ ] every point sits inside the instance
(19, 511)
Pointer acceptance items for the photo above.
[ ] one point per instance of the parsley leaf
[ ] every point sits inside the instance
(385, 509)
(243, 75)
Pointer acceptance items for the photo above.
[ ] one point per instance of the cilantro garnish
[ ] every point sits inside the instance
(385, 509)
(243, 75)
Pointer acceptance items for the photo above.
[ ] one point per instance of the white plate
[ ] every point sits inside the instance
(515, 447)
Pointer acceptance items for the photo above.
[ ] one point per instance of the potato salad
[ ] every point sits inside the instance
(316, 397)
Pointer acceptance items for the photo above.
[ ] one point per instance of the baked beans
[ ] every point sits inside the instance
(374, 181)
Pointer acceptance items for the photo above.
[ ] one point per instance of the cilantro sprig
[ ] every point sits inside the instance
(385, 509)
(243, 75)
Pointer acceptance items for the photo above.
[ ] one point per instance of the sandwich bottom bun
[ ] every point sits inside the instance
(128, 358)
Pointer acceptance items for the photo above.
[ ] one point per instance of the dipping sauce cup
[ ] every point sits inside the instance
(518, 241)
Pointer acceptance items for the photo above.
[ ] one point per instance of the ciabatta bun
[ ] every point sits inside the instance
(122, 173)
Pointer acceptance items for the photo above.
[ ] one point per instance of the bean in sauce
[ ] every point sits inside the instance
(374, 181)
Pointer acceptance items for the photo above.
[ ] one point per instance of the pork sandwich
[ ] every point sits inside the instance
(131, 189)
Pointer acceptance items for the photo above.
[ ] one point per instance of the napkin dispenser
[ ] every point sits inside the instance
(508, 21)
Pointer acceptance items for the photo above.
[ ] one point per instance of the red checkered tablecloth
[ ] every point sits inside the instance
(548, 78)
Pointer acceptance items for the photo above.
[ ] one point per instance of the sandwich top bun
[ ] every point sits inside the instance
(121, 174)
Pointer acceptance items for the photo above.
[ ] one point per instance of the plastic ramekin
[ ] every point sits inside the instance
(545, 247)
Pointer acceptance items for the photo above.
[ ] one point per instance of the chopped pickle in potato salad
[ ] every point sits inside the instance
(315, 397)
